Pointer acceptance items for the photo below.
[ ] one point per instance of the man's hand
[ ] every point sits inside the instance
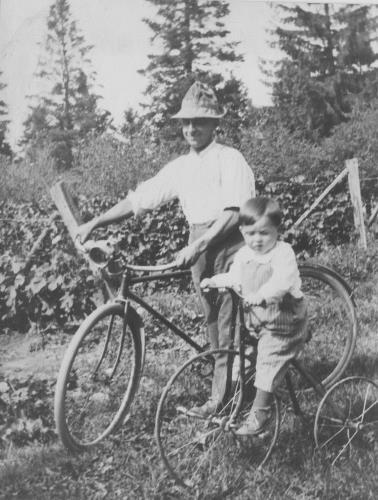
(254, 299)
(85, 230)
(188, 255)
(207, 283)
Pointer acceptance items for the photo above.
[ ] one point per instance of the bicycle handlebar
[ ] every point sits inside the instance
(157, 268)
(99, 252)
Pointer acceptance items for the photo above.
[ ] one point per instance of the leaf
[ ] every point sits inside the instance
(54, 282)
(67, 302)
(4, 387)
(12, 294)
(37, 283)
(19, 280)
(56, 240)
(17, 266)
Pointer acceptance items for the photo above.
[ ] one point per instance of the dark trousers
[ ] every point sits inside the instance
(217, 307)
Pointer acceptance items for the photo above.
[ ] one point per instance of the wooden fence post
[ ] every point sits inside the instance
(355, 195)
(66, 206)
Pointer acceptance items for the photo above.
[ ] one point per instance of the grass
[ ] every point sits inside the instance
(128, 466)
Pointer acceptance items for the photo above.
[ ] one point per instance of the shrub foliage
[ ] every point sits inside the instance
(59, 286)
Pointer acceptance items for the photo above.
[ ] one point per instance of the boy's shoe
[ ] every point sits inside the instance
(255, 423)
(204, 411)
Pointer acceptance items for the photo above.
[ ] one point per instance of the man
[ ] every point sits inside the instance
(211, 182)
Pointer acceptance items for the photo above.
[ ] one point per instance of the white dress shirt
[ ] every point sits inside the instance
(285, 273)
(206, 183)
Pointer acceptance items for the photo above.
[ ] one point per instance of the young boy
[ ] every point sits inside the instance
(266, 273)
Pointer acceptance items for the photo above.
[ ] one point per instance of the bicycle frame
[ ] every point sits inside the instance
(125, 294)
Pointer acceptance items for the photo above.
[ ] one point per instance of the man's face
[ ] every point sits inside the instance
(198, 132)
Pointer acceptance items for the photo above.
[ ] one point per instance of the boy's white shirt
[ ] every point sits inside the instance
(206, 183)
(285, 276)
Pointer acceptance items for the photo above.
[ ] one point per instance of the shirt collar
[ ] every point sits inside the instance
(250, 254)
(204, 151)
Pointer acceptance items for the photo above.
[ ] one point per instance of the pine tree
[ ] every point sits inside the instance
(68, 108)
(4, 146)
(356, 53)
(327, 58)
(193, 45)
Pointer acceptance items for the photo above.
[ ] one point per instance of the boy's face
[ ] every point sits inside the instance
(260, 236)
(198, 132)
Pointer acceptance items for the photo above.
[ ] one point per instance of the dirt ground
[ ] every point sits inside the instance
(31, 355)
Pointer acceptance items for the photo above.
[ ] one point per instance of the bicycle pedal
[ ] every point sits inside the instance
(248, 437)
(182, 410)
(187, 413)
(262, 435)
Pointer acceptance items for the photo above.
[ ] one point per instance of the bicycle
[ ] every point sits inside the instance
(102, 366)
(193, 449)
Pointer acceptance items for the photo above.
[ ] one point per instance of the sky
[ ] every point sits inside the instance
(121, 43)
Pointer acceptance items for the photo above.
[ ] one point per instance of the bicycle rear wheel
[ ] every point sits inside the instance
(98, 377)
(332, 326)
(346, 423)
(206, 454)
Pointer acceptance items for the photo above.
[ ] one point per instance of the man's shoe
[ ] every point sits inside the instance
(206, 410)
(256, 422)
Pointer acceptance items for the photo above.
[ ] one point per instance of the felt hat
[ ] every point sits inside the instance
(200, 101)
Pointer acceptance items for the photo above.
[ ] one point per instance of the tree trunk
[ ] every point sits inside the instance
(188, 63)
(329, 42)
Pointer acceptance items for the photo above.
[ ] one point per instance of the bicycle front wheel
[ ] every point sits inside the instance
(205, 454)
(98, 377)
(332, 327)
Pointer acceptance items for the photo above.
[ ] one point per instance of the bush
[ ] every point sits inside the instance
(27, 180)
(356, 138)
(26, 414)
(59, 286)
(107, 167)
(275, 154)
(331, 223)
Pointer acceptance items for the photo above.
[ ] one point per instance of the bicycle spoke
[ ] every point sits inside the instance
(193, 443)
(120, 348)
(203, 458)
(333, 437)
(345, 446)
(106, 343)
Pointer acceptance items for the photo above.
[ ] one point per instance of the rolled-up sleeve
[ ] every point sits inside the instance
(155, 191)
(237, 181)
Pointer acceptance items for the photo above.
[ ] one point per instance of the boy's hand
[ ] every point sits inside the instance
(254, 299)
